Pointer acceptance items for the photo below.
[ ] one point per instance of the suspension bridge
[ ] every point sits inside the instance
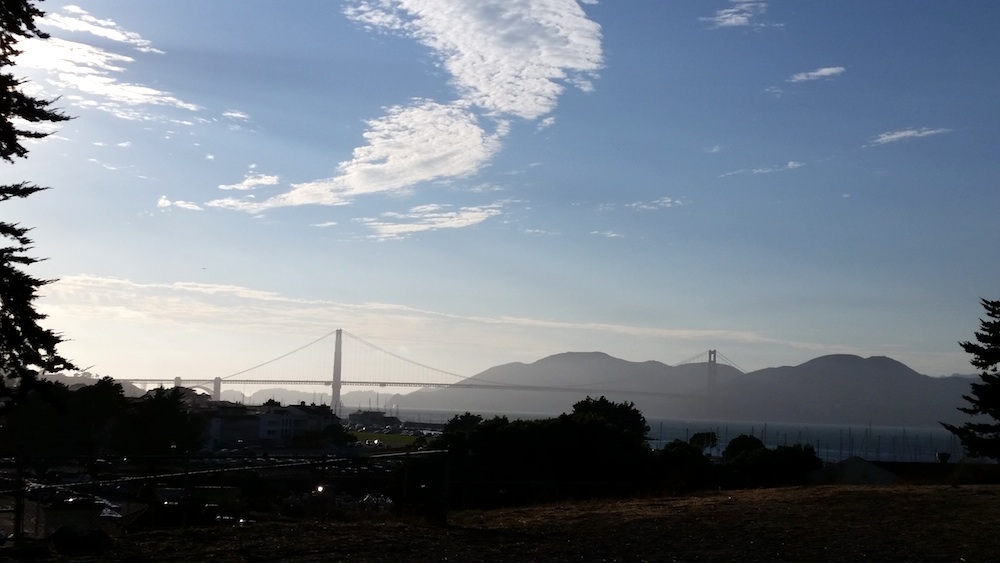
(370, 366)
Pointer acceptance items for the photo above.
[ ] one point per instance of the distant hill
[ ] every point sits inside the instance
(835, 389)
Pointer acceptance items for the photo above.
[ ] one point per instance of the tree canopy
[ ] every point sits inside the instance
(26, 348)
(98, 419)
(981, 437)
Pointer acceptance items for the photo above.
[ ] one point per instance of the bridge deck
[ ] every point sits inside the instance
(364, 383)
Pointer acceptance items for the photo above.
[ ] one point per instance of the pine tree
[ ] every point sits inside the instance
(981, 438)
(26, 349)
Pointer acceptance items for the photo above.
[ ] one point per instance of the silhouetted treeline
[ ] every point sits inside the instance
(599, 449)
(55, 421)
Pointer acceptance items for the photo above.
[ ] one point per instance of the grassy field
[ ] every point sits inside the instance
(828, 523)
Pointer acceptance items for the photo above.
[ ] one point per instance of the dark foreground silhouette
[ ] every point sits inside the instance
(830, 523)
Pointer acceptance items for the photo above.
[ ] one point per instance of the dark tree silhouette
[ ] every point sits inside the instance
(683, 466)
(26, 349)
(704, 440)
(599, 449)
(742, 445)
(626, 421)
(981, 437)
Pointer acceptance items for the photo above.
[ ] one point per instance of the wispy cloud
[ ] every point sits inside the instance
(539, 232)
(741, 13)
(75, 18)
(818, 74)
(790, 165)
(429, 218)
(419, 143)
(607, 234)
(505, 57)
(661, 203)
(236, 114)
(506, 61)
(251, 181)
(904, 134)
(165, 203)
(88, 76)
(198, 316)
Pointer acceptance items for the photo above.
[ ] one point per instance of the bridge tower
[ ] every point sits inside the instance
(713, 373)
(338, 353)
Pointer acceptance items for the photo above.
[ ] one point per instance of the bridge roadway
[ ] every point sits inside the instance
(359, 383)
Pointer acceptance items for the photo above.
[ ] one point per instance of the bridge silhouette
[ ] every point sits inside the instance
(368, 365)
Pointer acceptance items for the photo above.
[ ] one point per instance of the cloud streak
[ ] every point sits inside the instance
(165, 203)
(87, 76)
(741, 13)
(419, 143)
(790, 165)
(904, 134)
(818, 74)
(429, 218)
(661, 203)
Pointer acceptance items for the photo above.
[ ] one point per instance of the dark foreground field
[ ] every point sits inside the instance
(835, 523)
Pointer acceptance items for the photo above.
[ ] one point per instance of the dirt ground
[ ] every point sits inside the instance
(830, 523)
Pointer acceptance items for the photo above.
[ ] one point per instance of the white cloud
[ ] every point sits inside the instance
(506, 59)
(607, 234)
(164, 203)
(429, 218)
(236, 114)
(251, 181)
(539, 232)
(661, 203)
(790, 165)
(505, 56)
(87, 76)
(423, 142)
(819, 73)
(324, 224)
(742, 13)
(904, 134)
(714, 149)
(75, 19)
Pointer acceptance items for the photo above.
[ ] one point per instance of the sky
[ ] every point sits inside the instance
(468, 184)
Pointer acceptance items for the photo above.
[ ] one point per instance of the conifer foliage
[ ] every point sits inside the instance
(981, 438)
(26, 349)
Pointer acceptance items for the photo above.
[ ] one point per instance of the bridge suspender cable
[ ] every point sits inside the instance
(398, 357)
(285, 355)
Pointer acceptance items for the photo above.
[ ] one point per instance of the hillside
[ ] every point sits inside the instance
(835, 389)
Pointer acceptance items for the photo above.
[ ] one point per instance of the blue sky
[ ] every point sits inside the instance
(474, 183)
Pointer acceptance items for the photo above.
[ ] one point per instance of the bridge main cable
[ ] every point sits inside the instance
(285, 355)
